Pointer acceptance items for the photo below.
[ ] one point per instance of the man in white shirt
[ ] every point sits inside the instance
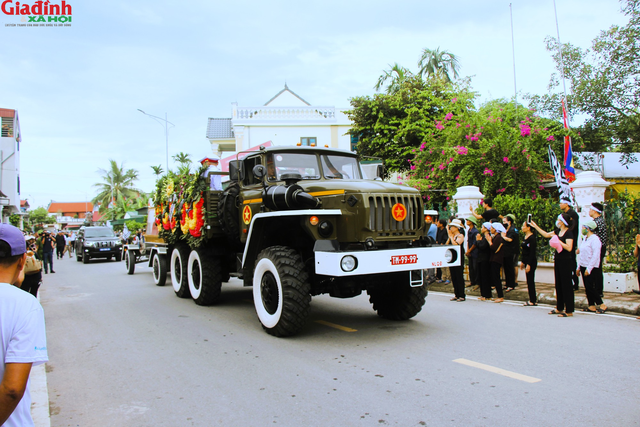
(212, 166)
(23, 342)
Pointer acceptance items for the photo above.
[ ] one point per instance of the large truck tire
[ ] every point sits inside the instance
(179, 280)
(205, 276)
(281, 291)
(396, 300)
(159, 265)
(130, 262)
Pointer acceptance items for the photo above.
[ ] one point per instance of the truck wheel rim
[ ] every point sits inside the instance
(269, 292)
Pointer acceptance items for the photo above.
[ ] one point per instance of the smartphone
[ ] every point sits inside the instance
(529, 219)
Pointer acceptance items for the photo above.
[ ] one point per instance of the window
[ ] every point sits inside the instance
(309, 141)
(7, 127)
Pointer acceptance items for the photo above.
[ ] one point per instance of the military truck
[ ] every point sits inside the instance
(295, 222)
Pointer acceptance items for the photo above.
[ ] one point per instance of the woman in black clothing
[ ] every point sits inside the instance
(511, 241)
(530, 262)
(496, 259)
(562, 264)
(456, 237)
(483, 244)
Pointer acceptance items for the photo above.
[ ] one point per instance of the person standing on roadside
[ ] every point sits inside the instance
(562, 240)
(574, 222)
(529, 262)
(441, 239)
(636, 253)
(32, 269)
(511, 242)
(589, 266)
(483, 244)
(488, 214)
(497, 258)
(47, 245)
(457, 273)
(23, 341)
(595, 211)
(472, 251)
(60, 245)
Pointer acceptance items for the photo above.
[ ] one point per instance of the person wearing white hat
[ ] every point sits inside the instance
(457, 273)
(483, 243)
(590, 267)
(562, 265)
(496, 259)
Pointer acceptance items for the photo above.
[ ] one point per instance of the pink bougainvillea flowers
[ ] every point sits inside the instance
(505, 159)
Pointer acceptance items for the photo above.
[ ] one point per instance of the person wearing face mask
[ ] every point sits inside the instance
(511, 242)
(562, 239)
(483, 245)
(497, 258)
(590, 267)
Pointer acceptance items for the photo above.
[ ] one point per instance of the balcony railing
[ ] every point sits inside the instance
(286, 113)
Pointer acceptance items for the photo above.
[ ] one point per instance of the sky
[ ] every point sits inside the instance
(78, 88)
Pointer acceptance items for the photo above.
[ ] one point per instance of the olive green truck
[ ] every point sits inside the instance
(294, 222)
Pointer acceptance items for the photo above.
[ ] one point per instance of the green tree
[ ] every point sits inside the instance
(391, 125)
(396, 76)
(603, 84)
(491, 147)
(157, 170)
(38, 216)
(116, 183)
(436, 63)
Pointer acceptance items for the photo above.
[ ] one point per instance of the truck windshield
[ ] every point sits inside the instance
(99, 232)
(306, 164)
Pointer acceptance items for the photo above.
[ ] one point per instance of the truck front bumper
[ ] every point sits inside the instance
(354, 263)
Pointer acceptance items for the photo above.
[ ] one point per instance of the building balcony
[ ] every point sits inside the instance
(323, 114)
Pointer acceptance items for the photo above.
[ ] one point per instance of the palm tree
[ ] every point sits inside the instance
(182, 158)
(157, 170)
(116, 182)
(437, 64)
(397, 74)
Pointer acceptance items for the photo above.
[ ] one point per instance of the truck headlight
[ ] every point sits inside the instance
(325, 229)
(348, 263)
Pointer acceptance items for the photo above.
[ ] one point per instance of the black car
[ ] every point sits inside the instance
(97, 242)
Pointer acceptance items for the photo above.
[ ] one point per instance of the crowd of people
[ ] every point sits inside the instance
(495, 248)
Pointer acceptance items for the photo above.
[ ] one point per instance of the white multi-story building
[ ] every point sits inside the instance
(10, 138)
(286, 119)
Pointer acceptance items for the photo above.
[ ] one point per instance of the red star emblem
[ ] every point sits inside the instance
(399, 212)
(246, 214)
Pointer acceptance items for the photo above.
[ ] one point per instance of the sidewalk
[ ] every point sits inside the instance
(615, 302)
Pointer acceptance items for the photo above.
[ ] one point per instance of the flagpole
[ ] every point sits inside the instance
(513, 52)
(564, 85)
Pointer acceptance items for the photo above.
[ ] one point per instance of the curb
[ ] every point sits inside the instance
(546, 297)
(39, 395)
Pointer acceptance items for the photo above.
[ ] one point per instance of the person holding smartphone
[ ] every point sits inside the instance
(529, 261)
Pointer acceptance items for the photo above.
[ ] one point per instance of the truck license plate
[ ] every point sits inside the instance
(105, 249)
(404, 259)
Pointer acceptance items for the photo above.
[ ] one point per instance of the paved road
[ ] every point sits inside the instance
(127, 353)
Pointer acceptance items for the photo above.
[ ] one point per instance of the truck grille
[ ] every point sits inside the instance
(105, 244)
(381, 221)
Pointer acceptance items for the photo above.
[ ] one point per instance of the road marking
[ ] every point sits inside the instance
(333, 325)
(499, 371)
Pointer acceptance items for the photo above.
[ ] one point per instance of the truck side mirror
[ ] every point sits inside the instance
(236, 170)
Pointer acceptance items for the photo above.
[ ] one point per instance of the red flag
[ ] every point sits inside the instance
(569, 170)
